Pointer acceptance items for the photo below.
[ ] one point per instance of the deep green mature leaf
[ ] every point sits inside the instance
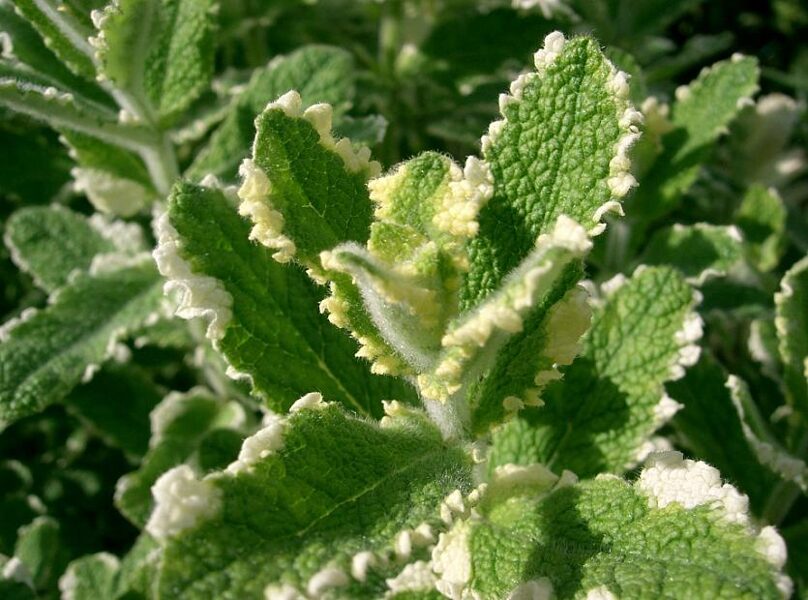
(791, 320)
(699, 251)
(179, 424)
(318, 73)
(47, 352)
(701, 114)
(160, 52)
(42, 550)
(561, 148)
(762, 218)
(66, 35)
(709, 426)
(37, 169)
(601, 415)
(264, 315)
(49, 243)
(305, 191)
(500, 35)
(368, 489)
(676, 532)
(116, 405)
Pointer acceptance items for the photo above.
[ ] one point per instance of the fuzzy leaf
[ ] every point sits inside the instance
(364, 485)
(115, 180)
(318, 73)
(179, 424)
(560, 149)
(600, 416)
(66, 35)
(42, 550)
(305, 191)
(676, 532)
(762, 218)
(763, 443)
(158, 51)
(703, 111)
(709, 426)
(473, 340)
(47, 352)
(791, 320)
(62, 110)
(266, 322)
(49, 243)
(698, 251)
(27, 47)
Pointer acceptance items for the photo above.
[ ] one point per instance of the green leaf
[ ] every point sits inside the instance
(62, 32)
(115, 180)
(702, 113)
(709, 426)
(370, 492)
(91, 577)
(178, 426)
(116, 406)
(758, 145)
(367, 131)
(61, 109)
(49, 243)
(47, 352)
(103, 576)
(765, 446)
(41, 549)
(791, 321)
(318, 73)
(676, 532)
(473, 340)
(762, 218)
(264, 317)
(305, 191)
(25, 46)
(699, 251)
(601, 415)
(160, 52)
(561, 148)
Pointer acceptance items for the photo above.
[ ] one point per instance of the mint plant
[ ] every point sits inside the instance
(272, 337)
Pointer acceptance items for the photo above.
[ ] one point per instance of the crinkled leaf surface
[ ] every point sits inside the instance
(698, 251)
(551, 157)
(598, 417)
(51, 242)
(276, 334)
(46, 354)
(318, 73)
(159, 51)
(622, 540)
(791, 320)
(322, 201)
(363, 484)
